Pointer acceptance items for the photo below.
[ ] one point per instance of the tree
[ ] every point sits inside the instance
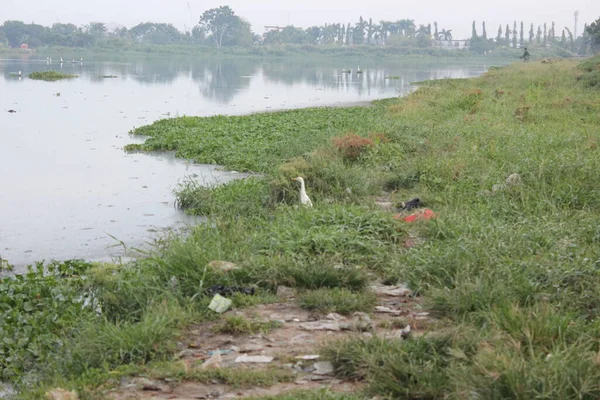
(552, 33)
(594, 34)
(348, 34)
(15, 32)
(563, 39)
(514, 32)
(507, 34)
(473, 31)
(436, 34)
(484, 33)
(97, 30)
(220, 23)
(359, 31)
(445, 34)
(531, 34)
(370, 31)
(538, 38)
(521, 34)
(545, 35)
(571, 39)
(499, 37)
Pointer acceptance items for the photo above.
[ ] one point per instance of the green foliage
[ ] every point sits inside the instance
(593, 30)
(341, 301)
(37, 311)
(237, 325)
(50, 76)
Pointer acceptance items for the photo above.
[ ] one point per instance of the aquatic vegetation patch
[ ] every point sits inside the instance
(50, 76)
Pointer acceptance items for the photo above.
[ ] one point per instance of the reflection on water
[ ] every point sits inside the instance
(69, 190)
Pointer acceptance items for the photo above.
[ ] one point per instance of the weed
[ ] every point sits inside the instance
(50, 76)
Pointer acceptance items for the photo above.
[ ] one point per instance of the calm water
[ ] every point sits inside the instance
(67, 189)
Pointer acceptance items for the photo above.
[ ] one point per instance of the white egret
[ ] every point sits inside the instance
(61, 60)
(304, 199)
(358, 71)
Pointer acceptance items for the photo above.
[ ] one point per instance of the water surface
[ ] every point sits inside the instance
(67, 188)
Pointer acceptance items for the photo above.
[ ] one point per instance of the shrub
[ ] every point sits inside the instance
(352, 146)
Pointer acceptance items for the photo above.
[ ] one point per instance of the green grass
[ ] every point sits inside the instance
(513, 273)
(340, 301)
(238, 325)
(50, 76)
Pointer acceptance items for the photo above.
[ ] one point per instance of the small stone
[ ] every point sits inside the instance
(250, 347)
(393, 291)
(235, 349)
(321, 326)
(334, 317)
(61, 394)
(254, 359)
(301, 382)
(286, 292)
(323, 368)
(185, 353)
(514, 180)
(387, 310)
(308, 357)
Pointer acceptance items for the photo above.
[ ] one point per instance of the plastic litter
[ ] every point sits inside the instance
(425, 214)
(412, 204)
(219, 304)
(229, 290)
(254, 359)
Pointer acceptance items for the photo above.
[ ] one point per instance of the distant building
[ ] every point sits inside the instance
(25, 46)
(451, 44)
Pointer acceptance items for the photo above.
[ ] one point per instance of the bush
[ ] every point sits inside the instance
(352, 146)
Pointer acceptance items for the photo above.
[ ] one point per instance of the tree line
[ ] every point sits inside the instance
(222, 27)
(545, 35)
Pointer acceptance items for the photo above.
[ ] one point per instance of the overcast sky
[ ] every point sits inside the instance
(450, 14)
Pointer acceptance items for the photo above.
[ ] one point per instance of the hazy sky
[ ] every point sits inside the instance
(450, 14)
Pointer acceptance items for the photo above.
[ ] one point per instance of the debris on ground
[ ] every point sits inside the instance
(223, 266)
(424, 214)
(219, 304)
(216, 361)
(229, 290)
(12, 111)
(291, 347)
(411, 204)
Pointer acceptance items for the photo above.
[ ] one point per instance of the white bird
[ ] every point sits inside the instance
(19, 73)
(304, 199)
(61, 60)
(81, 61)
(358, 71)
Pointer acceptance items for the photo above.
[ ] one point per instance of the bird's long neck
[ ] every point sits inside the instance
(302, 188)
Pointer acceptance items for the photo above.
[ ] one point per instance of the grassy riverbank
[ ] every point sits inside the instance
(511, 274)
(276, 51)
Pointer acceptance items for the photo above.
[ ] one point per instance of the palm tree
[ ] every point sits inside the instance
(445, 34)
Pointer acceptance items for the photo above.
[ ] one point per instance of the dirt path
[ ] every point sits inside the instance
(291, 349)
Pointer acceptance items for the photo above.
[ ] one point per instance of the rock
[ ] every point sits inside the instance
(308, 357)
(334, 317)
(401, 333)
(421, 314)
(215, 361)
(235, 349)
(321, 326)
(250, 347)
(61, 394)
(186, 353)
(387, 310)
(254, 359)
(223, 266)
(514, 180)
(301, 382)
(393, 291)
(323, 368)
(286, 292)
